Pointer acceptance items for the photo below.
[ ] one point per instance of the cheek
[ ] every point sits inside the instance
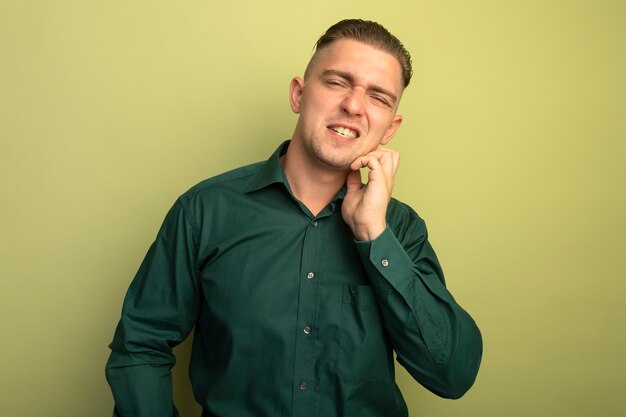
(311, 107)
(380, 121)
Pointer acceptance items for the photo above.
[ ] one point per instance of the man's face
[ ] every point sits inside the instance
(347, 104)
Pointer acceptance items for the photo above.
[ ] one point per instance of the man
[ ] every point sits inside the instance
(301, 282)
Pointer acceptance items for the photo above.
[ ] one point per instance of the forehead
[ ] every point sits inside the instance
(368, 65)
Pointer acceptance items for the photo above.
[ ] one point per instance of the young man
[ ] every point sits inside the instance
(301, 282)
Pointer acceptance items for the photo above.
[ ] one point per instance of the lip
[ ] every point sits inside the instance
(345, 126)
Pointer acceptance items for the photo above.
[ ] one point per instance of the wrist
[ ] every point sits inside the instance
(367, 233)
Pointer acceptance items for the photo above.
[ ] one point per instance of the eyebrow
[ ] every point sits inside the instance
(350, 78)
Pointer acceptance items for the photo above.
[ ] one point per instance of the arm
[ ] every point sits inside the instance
(159, 311)
(435, 339)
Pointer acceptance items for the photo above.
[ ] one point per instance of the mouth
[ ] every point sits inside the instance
(345, 132)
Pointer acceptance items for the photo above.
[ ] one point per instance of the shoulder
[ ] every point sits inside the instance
(402, 219)
(235, 180)
(218, 195)
(398, 210)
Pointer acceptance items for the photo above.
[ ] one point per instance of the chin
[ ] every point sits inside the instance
(336, 162)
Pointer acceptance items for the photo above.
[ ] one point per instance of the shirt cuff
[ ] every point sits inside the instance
(386, 262)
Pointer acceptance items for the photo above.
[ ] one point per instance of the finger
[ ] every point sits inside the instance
(369, 161)
(394, 162)
(353, 181)
(385, 153)
(376, 174)
(389, 163)
(377, 153)
(382, 152)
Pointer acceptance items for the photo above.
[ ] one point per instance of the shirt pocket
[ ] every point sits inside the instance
(364, 354)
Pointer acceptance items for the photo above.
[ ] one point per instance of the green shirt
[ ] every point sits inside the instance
(292, 316)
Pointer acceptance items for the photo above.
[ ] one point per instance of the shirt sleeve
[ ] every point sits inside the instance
(434, 338)
(159, 312)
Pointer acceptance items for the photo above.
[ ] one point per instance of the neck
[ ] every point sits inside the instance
(313, 185)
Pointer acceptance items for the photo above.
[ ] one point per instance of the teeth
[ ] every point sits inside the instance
(345, 132)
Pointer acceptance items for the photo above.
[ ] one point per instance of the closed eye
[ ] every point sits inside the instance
(336, 83)
(379, 100)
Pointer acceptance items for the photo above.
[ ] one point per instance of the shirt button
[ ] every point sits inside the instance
(310, 275)
(303, 386)
(306, 330)
(384, 262)
(314, 223)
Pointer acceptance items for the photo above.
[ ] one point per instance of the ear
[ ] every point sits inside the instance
(295, 94)
(392, 129)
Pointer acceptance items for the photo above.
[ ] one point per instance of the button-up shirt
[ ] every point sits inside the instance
(292, 316)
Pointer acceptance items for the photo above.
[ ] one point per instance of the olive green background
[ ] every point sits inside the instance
(513, 150)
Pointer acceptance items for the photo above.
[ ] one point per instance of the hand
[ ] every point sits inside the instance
(364, 208)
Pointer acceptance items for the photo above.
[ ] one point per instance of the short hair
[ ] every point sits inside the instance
(370, 33)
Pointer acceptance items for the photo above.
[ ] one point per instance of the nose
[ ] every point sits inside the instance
(354, 102)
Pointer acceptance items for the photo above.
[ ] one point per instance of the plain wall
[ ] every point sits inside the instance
(513, 150)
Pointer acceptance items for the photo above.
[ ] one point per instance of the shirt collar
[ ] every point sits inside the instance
(272, 172)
